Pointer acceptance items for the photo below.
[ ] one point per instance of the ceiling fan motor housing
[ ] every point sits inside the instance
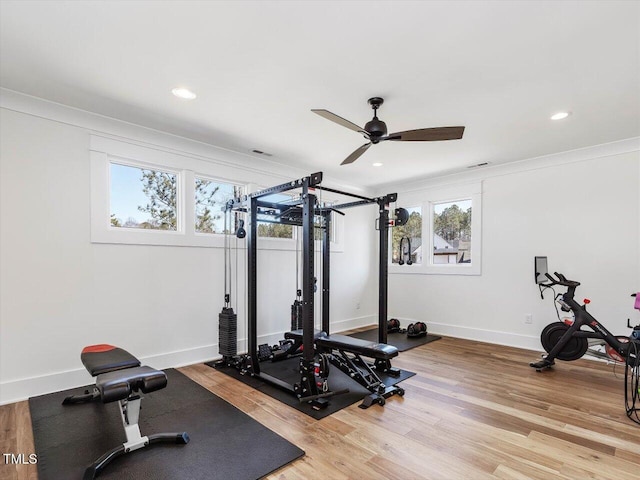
(376, 128)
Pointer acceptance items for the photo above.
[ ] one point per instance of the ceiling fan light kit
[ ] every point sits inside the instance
(375, 131)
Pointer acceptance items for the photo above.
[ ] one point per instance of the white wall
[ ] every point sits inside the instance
(581, 209)
(60, 292)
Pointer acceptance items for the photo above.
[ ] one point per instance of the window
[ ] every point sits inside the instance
(274, 230)
(278, 230)
(318, 231)
(451, 232)
(143, 198)
(407, 239)
(144, 194)
(210, 198)
(448, 241)
(148, 195)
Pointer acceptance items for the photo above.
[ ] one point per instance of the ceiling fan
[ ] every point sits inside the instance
(376, 131)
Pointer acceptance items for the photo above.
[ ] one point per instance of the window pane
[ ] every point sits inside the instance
(452, 232)
(141, 198)
(211, 196)
(412, 231)
(274, 230)
(318, 230)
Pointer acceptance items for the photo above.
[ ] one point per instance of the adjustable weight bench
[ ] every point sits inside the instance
(119, 377)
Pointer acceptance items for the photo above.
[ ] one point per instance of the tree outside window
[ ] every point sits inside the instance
(142, 198)
(211, 196)
(274, 230)
(411, 230)
(452, 232)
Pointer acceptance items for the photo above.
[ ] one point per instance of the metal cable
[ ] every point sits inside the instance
(226, 241)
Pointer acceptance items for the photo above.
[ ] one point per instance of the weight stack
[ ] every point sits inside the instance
(227, 332)
(296, 315)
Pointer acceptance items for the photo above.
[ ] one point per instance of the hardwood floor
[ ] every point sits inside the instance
(473, 411)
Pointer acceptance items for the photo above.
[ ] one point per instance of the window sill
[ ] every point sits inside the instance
(454, 269)
(126, 236)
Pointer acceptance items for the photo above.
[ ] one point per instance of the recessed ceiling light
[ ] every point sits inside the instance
(560, 115)
(184, 93)
(377, 164)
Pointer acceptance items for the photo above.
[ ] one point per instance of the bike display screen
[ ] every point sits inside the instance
(540, 269)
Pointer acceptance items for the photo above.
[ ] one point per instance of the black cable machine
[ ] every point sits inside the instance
(302, 212)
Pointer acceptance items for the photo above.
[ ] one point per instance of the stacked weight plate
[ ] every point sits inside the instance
(227, 332)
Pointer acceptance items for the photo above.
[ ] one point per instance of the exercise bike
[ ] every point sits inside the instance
(567, 341)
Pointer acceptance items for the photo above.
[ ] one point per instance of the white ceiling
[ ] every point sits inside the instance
(499, 68)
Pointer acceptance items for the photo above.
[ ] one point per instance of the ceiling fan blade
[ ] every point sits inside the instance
(340, 121)
(356, 154)
(427, 134)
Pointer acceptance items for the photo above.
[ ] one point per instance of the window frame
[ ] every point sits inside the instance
(104, 151)
(427, 200)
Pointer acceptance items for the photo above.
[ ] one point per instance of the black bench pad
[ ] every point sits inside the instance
(357, 345)
(297, 335)
(99, 359)
(349, 344)
(119, 384)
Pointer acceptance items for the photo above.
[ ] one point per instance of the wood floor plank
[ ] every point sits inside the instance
(625, 455)
(473, 411)
(523, 471)
(579, 456)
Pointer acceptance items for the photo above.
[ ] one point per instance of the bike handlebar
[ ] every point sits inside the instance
(561, 280)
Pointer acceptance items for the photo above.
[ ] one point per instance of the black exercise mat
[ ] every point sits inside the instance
(399, 340)
(288, 371)
(225, 442)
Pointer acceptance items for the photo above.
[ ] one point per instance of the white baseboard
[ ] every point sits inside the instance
(351, 323)
(528, 342)
(481, 335)
(21, 389)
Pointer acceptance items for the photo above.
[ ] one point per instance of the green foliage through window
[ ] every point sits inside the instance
(412, 230)
(274, 230)
(160, 189)
(143, 198)
(452, 232)
(210, 198)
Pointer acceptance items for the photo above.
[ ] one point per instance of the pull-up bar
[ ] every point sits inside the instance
(333, 190)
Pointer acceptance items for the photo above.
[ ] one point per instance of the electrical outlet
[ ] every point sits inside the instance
(528, 318)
